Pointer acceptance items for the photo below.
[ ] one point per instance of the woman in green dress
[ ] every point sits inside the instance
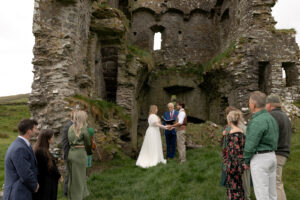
(80, 146)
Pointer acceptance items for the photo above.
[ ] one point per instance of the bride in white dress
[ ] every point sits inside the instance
(151, 152)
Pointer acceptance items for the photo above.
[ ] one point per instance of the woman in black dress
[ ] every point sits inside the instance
(48, 174)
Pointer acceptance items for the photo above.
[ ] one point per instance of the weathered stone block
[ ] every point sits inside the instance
(108, 26)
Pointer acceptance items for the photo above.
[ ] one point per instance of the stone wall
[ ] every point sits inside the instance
(61, 32)
(201, 32)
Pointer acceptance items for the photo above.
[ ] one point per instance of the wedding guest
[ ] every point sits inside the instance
(261, 142)
(233, 159)
(91, 134)
(223, 143)
(246, 177)
(273, 106)
(180, 125)
(48, 174)
(66, 148)
(170, 116)
(20, 165)
(80, 147)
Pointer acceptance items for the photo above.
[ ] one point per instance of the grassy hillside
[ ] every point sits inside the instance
(15, 99)
(197, 179)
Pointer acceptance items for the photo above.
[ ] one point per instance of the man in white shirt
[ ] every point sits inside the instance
(180, 125)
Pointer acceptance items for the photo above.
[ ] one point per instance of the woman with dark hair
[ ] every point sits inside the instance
(48, 174)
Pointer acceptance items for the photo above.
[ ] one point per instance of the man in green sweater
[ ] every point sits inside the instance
(261, 143)
(273, 106)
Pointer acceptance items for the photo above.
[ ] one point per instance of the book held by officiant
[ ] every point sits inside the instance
(169, 122)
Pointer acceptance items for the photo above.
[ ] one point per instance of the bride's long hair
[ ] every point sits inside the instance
(152, 110)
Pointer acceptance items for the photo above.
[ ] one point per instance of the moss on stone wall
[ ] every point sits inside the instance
(297, 103)
(109, 23)
(103, 11)
(101, 110)
(215, 62)
(144, 56)
(284, 31)
(199, 69)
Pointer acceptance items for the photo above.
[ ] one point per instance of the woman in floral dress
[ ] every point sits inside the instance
(233, 158)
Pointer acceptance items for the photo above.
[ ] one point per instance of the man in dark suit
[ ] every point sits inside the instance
(20, 165)
(66, 148)
(169, 119)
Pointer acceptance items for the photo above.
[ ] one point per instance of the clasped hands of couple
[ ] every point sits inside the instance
(169, 127)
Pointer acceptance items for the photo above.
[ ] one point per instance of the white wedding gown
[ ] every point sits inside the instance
(151, 152)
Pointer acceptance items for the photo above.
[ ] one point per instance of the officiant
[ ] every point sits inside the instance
(169, 118)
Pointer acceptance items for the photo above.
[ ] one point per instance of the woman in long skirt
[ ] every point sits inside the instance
(151, 152)
(234, 164)
(80, 146)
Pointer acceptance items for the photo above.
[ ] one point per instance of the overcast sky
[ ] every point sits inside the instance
(16, 40)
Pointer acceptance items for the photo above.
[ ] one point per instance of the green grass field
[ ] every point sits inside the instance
(10, 115)
(197, 179)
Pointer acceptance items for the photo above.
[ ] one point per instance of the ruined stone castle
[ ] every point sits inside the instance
(213, 54)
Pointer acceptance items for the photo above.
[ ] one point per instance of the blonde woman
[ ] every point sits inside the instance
(151, 152)
(80, 146)
(234, 165)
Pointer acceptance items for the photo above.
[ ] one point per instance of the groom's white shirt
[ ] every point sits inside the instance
(181, 116)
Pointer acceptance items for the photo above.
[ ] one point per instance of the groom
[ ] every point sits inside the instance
(169, 119)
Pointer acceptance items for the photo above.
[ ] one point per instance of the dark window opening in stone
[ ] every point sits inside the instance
(291, 73)
(225, 15)
(110, 71)
(179, 32)
(157, 41)
(178, 89)
(263, 76)
(223, 105)
(219, 3)
(124, 7)
(134, 33)
(195, 120)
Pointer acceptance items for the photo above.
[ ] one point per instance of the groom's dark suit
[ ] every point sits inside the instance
(170, 134)
(20, 171)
